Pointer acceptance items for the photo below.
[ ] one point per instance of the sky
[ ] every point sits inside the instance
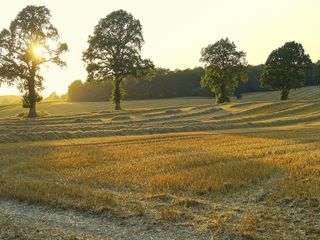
(175, 31)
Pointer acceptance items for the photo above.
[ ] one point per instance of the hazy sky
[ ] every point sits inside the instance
(176, 30)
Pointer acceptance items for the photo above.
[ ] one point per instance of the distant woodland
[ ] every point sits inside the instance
(170, 84)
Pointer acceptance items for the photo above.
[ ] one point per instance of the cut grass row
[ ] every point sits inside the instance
(147, 121)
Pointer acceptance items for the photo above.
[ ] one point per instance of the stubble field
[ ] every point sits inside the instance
(163, 169)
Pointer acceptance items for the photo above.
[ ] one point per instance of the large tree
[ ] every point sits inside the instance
(115, 51)
(224, 68)
(30, 42)
(286, 68)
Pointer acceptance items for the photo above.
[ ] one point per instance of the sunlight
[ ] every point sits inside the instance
(37, 50)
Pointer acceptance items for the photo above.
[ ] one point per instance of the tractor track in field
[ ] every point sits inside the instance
(48, 223)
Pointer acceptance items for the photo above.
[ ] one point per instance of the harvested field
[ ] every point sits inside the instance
(186, 169)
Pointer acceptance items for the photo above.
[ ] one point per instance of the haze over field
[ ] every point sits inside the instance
(175, 31)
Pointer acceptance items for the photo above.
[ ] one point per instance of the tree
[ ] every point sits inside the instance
(286, 68)
(254, 75)
(26, 100)
(316, 72)
(52, 97)
(30, 42)
(115, 51)
(224, 68)
(75, 91)
(89, 91)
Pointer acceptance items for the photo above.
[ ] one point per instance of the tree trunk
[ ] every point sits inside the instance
(32, 94)
(32, 110)
(284, 93)
(117, 95)
(222, 97)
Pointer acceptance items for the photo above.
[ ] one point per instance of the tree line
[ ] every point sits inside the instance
(116, 69)
(164, 83)
(170, 84)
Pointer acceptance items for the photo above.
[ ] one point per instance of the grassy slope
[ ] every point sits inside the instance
(85, 120)
(63, 108)
(9, 99)
(67, 108)
(257, 175)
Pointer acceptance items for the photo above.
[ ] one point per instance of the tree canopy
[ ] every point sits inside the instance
(30, 42)
(224, 68)
(286, 68)
(115, 51)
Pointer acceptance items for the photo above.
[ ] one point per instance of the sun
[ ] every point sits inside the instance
(37, 51)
